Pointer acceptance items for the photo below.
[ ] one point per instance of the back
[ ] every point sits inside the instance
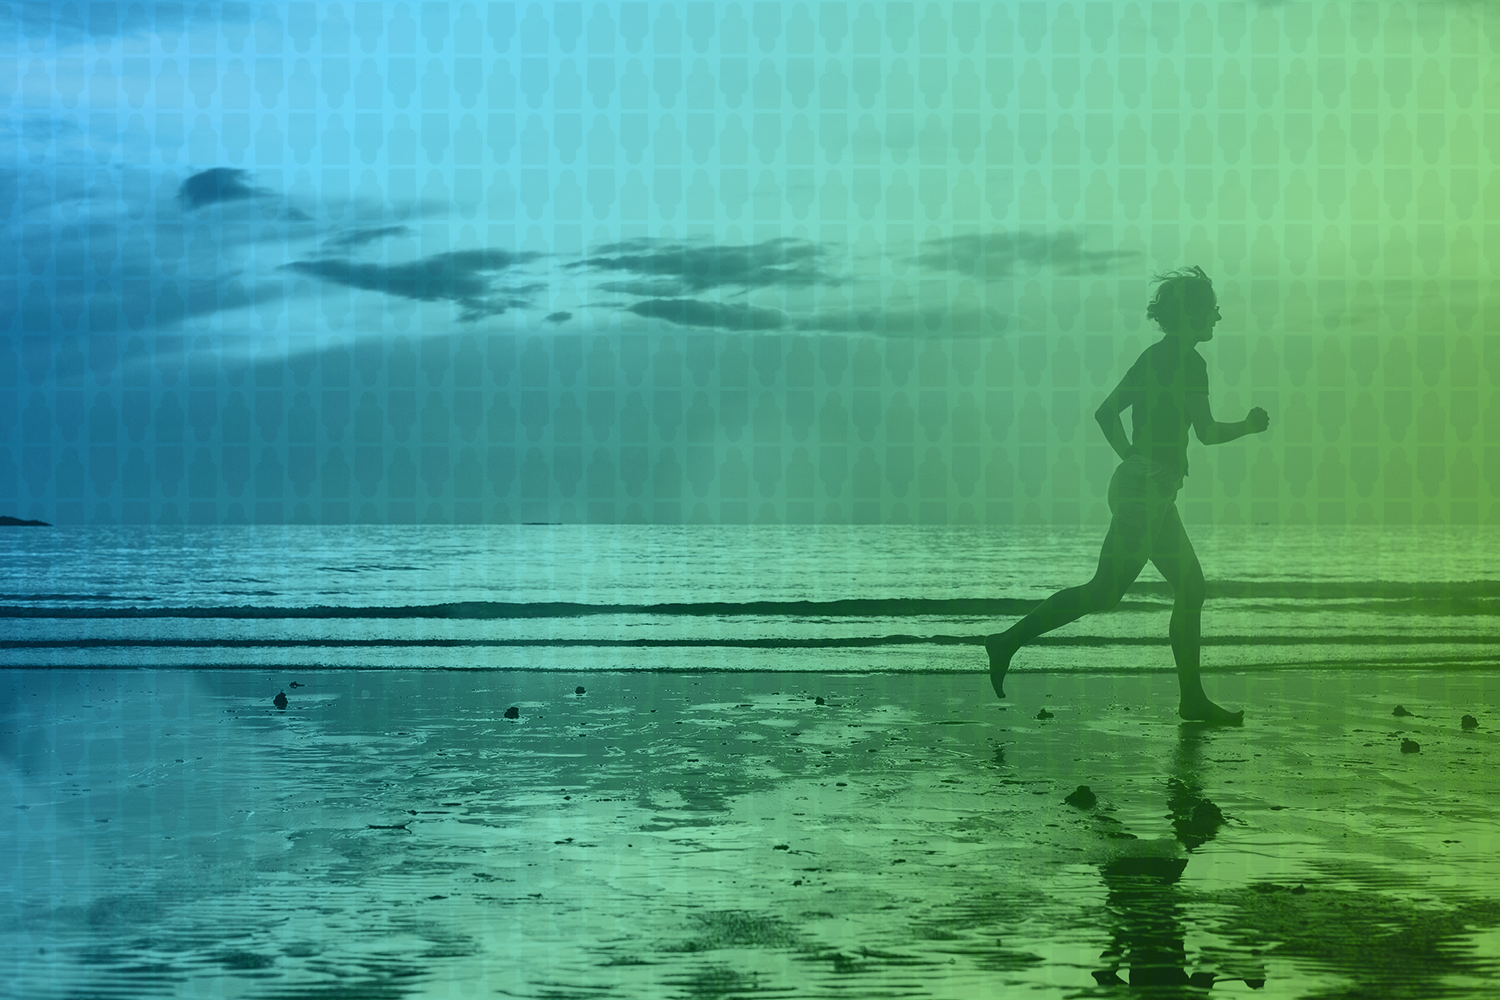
(1156, 389)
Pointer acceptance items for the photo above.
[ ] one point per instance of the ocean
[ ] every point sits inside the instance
(707, 761)
(577, 598)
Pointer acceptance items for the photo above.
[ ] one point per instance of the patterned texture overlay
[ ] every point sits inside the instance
(738, 262)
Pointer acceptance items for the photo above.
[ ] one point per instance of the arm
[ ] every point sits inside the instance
(1211, 431)
(1108, 416)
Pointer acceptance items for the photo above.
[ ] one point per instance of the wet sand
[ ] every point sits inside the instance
(724, 835)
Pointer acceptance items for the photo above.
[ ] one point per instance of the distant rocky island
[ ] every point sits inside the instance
(16, 522)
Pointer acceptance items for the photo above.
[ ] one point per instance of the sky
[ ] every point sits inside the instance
(786, 262)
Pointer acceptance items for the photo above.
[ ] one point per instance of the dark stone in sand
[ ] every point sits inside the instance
(1400, 712)
(819, 701)
(280, 700)
(578, 689)
(1409, 746)
(513, 712)
(1082, 797)
(15, 522)
(1044, 714)
(1204, 820)
(1469, 722)
(296, 684)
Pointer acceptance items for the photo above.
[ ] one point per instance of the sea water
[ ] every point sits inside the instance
(393, 834)
(726, 598)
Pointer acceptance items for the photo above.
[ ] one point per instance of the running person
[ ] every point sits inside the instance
(1167, 389)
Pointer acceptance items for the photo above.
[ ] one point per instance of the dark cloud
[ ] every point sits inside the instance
(866, 320)
(557, 317)
(674, 269)
(196, 298)
(656, 288)
(996, 255)
(358, 238)
(691, 312)
(216, 185)
(202, 21)
(465, 278)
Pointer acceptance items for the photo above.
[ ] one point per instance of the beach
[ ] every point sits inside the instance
(394, 834)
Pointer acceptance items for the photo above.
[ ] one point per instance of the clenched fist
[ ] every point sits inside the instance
(1258, 420)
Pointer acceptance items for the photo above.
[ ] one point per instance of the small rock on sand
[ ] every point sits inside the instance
(1205, 819)
(578, 689)
(820, 701)
(1400, 712)
(513, 712)
(1044, 714)
(1409, 746)
(1469, 722)
(296, 684)
(280, 700)
(1082, 797)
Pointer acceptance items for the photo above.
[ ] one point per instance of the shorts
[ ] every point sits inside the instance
(1141, 491)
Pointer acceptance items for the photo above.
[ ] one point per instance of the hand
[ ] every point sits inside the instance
(1258, 420)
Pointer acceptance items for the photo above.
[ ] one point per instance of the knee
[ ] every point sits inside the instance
(1193, 593)
(1102, 596)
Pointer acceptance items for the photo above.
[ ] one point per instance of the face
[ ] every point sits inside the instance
(1205, 321)
(1201, 318)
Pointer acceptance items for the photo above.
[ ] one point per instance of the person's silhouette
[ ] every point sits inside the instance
(1166, 390)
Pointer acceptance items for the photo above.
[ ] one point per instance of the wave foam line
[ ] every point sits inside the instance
(1472, 598)
(763, 643)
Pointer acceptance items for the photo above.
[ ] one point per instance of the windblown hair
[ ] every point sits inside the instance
(1184, 288)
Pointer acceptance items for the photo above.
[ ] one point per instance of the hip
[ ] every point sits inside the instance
(1140, 478)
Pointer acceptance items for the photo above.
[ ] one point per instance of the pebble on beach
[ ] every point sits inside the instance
(1409, 746)
(1044, 714)
(1400, 712)
(578, 689)
(280, 700)
(1469, 722)
(296, 684)
(1205, 819)
(1082, 797)
(513, 712)
(819, 701)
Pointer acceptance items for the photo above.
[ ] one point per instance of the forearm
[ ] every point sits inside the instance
(1114, 432)
(1223, 433)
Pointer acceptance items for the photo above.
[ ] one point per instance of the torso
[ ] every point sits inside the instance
(1158, 385)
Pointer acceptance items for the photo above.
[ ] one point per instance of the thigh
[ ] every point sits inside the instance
(1173, 556)
(1136, 504)
(1127, 546)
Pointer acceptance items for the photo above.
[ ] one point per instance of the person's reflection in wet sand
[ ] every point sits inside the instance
(1148, 934)
(1167, 391)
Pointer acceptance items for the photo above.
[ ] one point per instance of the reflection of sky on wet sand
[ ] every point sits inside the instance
(177, 834)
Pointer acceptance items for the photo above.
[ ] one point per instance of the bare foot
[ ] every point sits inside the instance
(1200, 709)
(1000, 653)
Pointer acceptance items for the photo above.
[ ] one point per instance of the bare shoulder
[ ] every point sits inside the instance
(1197, 369)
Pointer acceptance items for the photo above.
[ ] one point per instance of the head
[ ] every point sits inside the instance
(1185, 305)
